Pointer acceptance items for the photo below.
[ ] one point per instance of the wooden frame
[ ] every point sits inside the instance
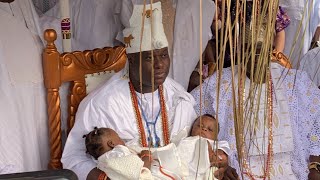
(71, 67)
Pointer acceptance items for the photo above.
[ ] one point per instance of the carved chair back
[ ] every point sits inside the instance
(71, 67)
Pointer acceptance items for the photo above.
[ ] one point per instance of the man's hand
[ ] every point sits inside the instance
(314, 175)
(225, 172)
(220, 160)
(94, 174)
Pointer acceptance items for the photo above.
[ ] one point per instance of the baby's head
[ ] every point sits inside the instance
(101, 140)
(208, 128)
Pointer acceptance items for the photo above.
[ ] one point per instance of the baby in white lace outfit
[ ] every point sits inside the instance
(114, 158)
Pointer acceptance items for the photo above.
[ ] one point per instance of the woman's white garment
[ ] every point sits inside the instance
(305, 18)
(121, 164)
(311, 64)
(24, 135)
(111, 106)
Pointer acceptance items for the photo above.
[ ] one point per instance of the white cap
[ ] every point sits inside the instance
(132, 34)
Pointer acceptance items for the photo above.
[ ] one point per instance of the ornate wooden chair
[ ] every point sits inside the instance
(71, 67)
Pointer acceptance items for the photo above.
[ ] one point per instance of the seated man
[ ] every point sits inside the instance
(139, 112)
(279, 121)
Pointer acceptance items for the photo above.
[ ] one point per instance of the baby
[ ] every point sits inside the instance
(114, 158)
(209, 128)
(202, 154)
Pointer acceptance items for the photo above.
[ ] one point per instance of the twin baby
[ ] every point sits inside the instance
(188, 158)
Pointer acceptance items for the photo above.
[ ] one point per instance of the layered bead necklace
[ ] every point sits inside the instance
(165, 126)
(247, 170)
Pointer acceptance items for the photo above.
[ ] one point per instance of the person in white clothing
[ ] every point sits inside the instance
(24, 133)
(148, 115)
(126, 107)
(305, 18)
(280, 118)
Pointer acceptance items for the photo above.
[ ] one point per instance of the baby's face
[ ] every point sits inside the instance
(110, 140)
(207, 128)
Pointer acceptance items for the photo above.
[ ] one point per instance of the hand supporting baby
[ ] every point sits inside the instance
(218, 159)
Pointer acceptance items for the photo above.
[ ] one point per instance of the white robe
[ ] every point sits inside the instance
(303, 99)
(311, 64)
(24, 128)
(295, 10)
(111, 106)
(186, 39)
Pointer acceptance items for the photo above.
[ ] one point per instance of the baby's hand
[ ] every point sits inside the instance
(146, 157)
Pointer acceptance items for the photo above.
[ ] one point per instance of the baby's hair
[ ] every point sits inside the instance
(94, 142)
(208, 115)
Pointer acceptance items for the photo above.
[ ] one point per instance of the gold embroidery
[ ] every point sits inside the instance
(314, 138)
(206, 103)
(232, 147)
(308, 93)
(231, 131)
(229, 102)
(127, 40)
(226, 87)
(276, 120)
(148, 13)
(280, 169)
(272, 171)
